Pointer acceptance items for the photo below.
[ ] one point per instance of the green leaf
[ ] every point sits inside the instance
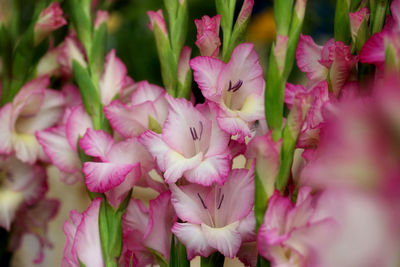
(379, 9)
(214, 260)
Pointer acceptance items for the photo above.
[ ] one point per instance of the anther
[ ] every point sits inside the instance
(193, 133)
(202, 201)
(236, 86)
(220, 202)
(201, 129)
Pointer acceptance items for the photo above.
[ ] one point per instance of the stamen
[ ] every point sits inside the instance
(193, 133)
(202, 201)
(220, 203)
(235, 87)
(201, 129)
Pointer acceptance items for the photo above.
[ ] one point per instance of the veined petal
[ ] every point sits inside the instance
(177, 165)
(157, 148)
(183, 120)
(5, 129)
(205, 72)
(76, 126)
(240, 182)
(192, 236)
(96, 143)
(103, 176)
(136, 216)
(117, 194)
(243, 66)
(234, 126)
(210, 170)
(161, 218)
(129, 121)
(308, 55)
(69, 228)
(226, 240)
(55, 144)
(87, 242)
(146, 92)
(188, 204)
(113, 77)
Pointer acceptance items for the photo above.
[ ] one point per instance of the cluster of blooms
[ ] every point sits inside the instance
(344, 185)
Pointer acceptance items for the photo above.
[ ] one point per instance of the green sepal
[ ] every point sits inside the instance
(294, 35)
(290, 135)
(226, 9)
(214, 260)
(111, 230)
(238, 34)
(184, 90)
(89, 93)
(178, 257)
(81, 19)
(379, 9)
(283, 15)
(167, 59)
(178, 29)
(362, 36)
(342, 21)
(260, 200)
(355, 5)
(97, 52)
(391, 59)
(274, 96)
(159, 258)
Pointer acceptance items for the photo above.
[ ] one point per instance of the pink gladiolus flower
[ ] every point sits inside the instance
(21, 183)
(49, 20)
(283, 237)
(356, 19)
(237, 87)
(191, 145)
(145, 229)
(332, 62)
(215, 218)
(34, 108)
(147, 109)
(82, 242)
(118, 167)
(208, 35)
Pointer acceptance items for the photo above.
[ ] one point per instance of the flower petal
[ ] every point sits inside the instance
(226, 240)
(87, 243)
(76, 126)
(192, 236)
(96, 143)
(55, 144)
(5, 129)
(112, 79)
(103, 176)
(308, 55)
(205, 72)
